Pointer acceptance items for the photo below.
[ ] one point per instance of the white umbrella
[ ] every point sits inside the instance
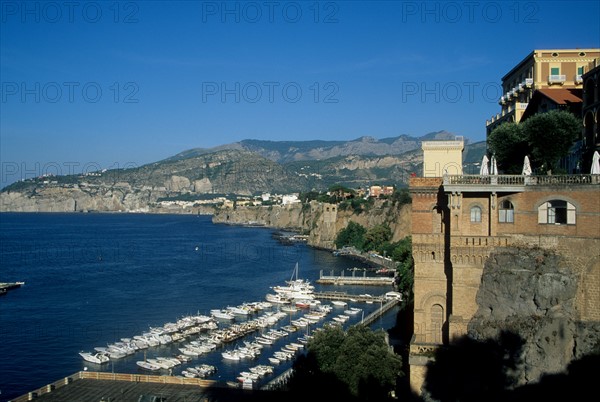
(494, 168)
(483, 171)
(595, 163)
(526, 167)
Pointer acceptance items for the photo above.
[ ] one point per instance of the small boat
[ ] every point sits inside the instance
(98, 358)
(274, 360)
(289, 309)
(222, 314)
(231, 355)
(339, 303)
(148, 366)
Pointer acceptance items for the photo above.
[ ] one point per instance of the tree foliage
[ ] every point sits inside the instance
(401, 197)
(359, 358)
(403, 255)
(352, 235)
(509, 144)
(376, 237)
(545, 137)
(550, 136)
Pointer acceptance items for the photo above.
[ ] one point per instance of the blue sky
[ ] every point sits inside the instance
(113, 84)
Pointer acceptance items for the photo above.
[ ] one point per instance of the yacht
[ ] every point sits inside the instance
(98, 358)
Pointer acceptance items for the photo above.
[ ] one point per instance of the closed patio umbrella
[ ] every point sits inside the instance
(483, 171)
(526, 167)
(595, 163)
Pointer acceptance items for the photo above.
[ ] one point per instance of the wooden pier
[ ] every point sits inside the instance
(355, 280)
(6, 286)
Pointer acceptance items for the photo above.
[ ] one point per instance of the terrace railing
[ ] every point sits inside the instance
(520, 180)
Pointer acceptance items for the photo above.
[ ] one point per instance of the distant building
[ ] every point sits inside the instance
(541, 69)
(290, 199)
(376, 191)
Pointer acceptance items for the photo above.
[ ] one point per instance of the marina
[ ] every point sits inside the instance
(194, 380)
(264, 328)
(152, 300)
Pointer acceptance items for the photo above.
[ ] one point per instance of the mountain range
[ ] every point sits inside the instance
(251, 167)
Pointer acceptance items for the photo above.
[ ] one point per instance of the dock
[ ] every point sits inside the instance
(386, 305)
(348, 297)
(6, 286)
(355, 280)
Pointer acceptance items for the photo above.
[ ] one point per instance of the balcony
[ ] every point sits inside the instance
(557, 79)
(515, 183)
(578, 79)
(528, 82)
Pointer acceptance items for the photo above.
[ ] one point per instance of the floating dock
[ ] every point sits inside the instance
(6, 286)
(355, 280)
(348, 297)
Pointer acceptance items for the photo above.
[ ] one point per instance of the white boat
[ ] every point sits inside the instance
(231, 355)
(148, 366)
(98, 358)
(339, 303)
(297, 289)
(222, 314)
(239, 310)
(277, 298)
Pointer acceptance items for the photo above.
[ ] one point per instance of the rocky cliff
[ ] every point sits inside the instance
(532, 292)
(81, 198)
(321, 221)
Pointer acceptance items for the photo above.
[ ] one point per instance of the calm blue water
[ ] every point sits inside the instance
(92, 279)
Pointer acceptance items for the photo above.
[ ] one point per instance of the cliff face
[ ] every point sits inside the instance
(81, 199)
(533, 293)
(321, 221)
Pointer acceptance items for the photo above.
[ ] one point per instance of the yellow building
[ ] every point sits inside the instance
(552, 68)
(442, 157)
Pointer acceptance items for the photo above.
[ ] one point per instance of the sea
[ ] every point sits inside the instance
(92, 279)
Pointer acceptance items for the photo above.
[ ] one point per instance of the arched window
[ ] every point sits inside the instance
(475, 214)
(557, 212)
(506, 212)
(437, 323)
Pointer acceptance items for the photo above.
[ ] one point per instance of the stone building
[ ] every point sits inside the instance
(459, 220)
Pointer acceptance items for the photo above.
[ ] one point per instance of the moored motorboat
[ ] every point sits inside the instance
(147, 365)
(98, 358)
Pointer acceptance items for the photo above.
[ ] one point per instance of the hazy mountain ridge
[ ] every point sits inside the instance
(271, 166)
(289, 151)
